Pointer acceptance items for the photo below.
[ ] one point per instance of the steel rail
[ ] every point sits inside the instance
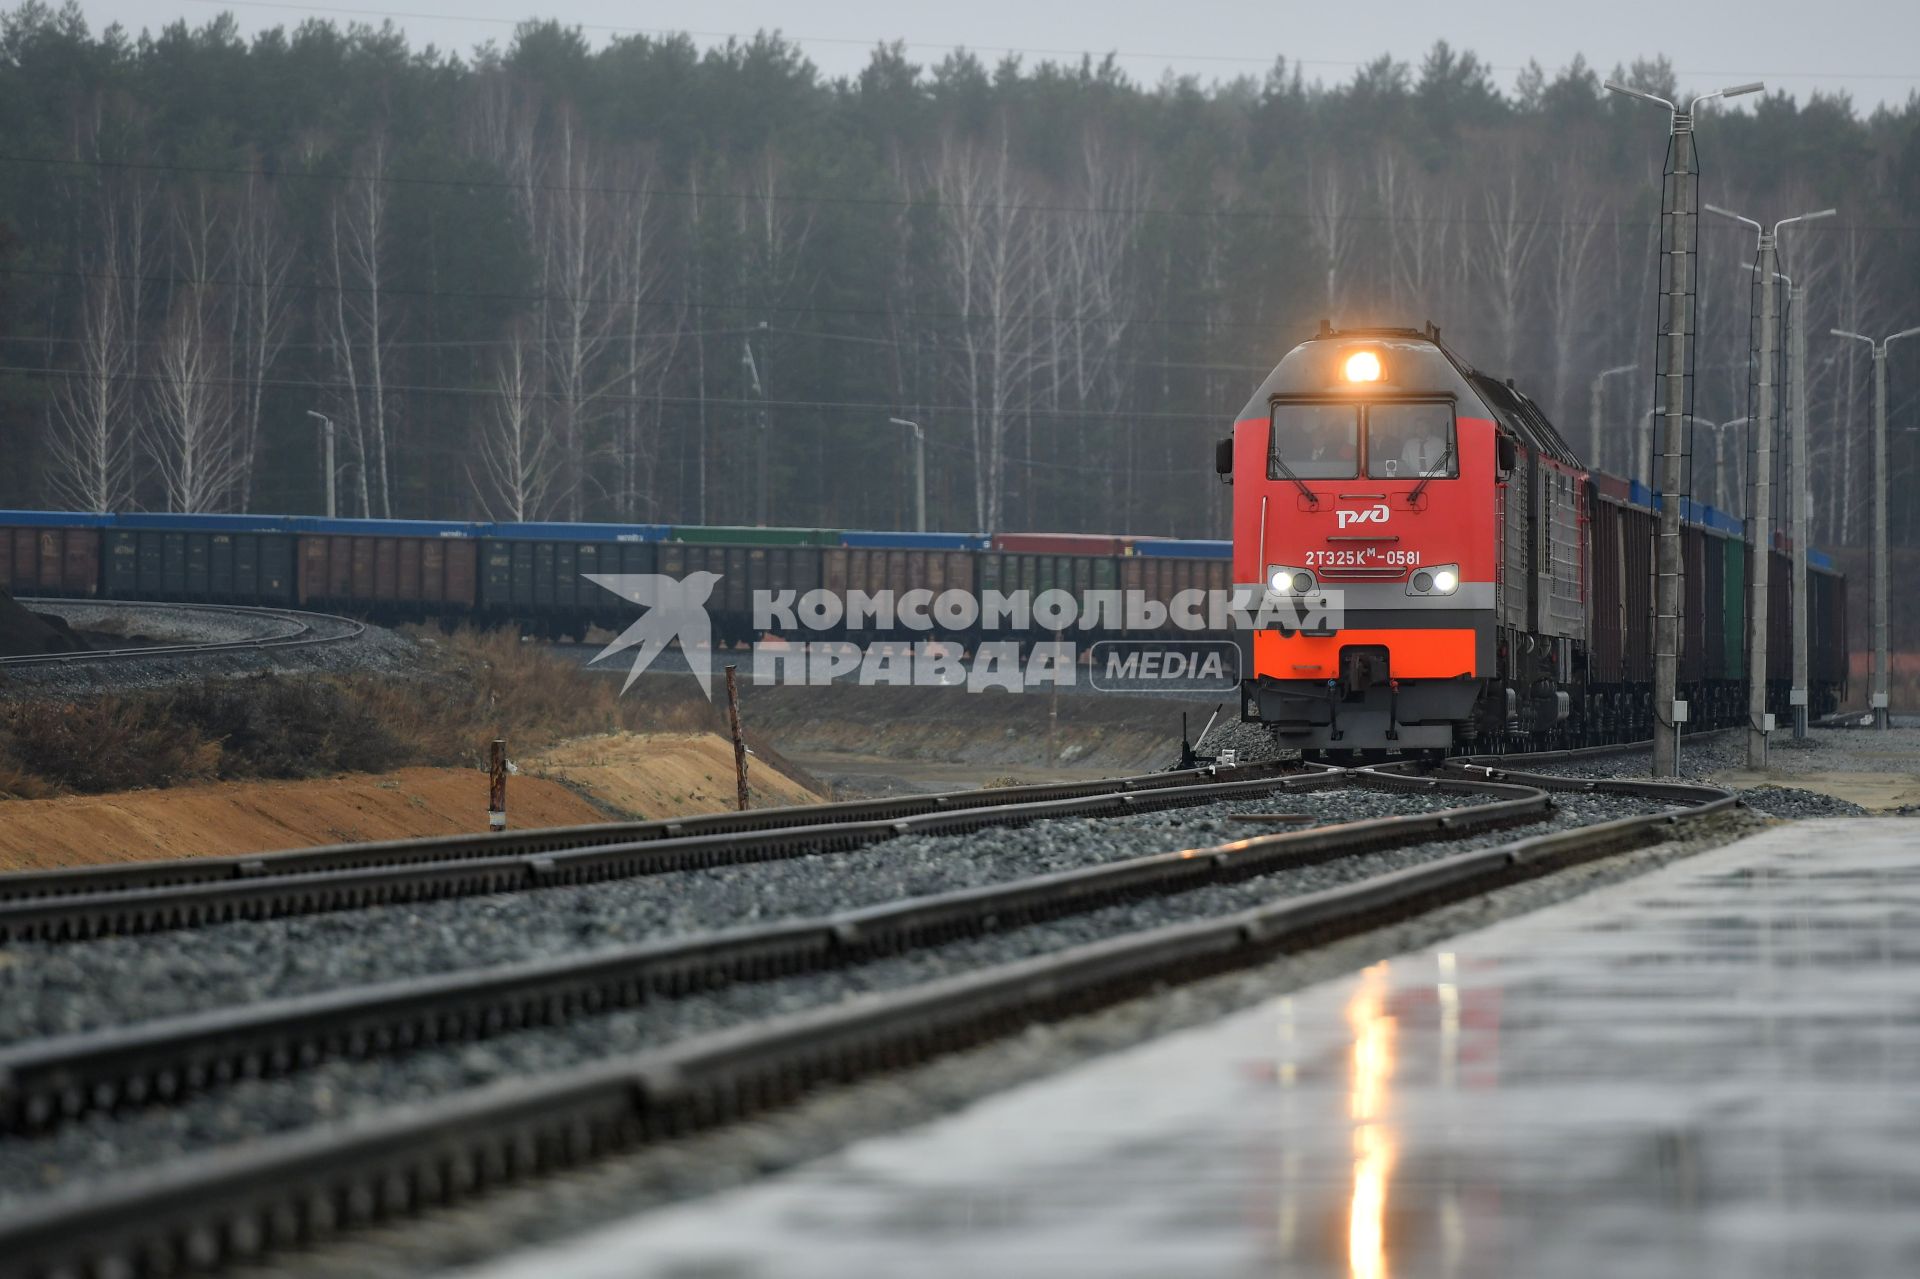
(80, 917)
(301, 636)
(47, 1082)
(237, 1203)
(1583, 752)
(124, 877)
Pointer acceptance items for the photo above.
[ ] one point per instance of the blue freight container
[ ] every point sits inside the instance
(386, 528)
(53, 519)
(557, 531)
(163, 521)
(915, 541)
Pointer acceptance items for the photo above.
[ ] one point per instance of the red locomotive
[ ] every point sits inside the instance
(1436, 525)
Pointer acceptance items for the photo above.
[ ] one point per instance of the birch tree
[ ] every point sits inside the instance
(260, 314)
(517, 451)
(357, 323)
(91, 440)
(990, 261)
(190, 436)
(1509, 237)
(650, 339)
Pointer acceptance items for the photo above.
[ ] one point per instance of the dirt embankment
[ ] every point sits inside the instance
(667, 774)
(224, 818)
(595, 779)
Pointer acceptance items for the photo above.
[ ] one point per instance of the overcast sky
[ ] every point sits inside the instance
(1865, 47)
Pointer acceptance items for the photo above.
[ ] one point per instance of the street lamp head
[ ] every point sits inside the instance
(322, 417)
(1904, 333)
(1641, 94)
(1731, 91)
(1729, 213)
(1848, 333)
(1804, 217)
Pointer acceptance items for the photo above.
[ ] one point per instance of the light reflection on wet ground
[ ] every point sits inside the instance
(1712, 1070)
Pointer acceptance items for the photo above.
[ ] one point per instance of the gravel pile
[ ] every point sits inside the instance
(26, 633)
(1791, 801)
(57, 989)
(1251, 743)
(170, 624)
(343, 1089)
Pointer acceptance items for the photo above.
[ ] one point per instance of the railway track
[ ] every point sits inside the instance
(121, 900)
(306, 1185)
(292, 629)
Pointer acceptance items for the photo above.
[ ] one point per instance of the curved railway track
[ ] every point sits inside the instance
(238, 1202)
(293, 629)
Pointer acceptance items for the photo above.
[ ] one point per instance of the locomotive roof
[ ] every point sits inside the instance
(1300, 371)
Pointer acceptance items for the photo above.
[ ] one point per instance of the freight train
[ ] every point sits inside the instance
(1495, 592)
(535, 575)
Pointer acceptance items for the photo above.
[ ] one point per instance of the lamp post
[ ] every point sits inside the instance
(1879, 694)
(752, 369)
(1760, 476)
(1674, 346)
(1594, 411)
(919, 471)
(326, 425)
(1799, 492)
(1721, 489)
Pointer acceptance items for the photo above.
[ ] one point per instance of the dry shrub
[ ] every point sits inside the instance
(481, 685)
(492, 684)
(107, 744)
(17, 782)
(276, 727)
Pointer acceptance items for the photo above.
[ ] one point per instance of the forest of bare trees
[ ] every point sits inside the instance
(643, 282)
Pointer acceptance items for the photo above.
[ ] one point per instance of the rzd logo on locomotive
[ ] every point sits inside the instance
(1372, 515)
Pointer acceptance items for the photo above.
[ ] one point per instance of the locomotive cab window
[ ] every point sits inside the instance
(1411, 441)
(1315, 441)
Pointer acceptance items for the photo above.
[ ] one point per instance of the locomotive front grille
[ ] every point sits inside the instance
(1361, 573)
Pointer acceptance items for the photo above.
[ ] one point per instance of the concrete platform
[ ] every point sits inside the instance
(1711, 1070)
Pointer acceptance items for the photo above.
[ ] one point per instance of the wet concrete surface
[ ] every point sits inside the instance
(1710, 1070)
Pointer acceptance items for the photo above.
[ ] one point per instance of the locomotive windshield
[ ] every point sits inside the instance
(1392, 441)
(1316, 441)
(1411, 440)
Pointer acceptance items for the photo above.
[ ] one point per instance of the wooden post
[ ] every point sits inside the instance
(1053, 724)
(497, 785)
(739, 742)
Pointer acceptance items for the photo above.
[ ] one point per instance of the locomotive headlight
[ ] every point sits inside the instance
(1442, 579)
(1282, 580)
(1363, 366)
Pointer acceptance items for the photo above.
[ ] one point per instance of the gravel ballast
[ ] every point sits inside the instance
(60, 989)
(341, 1089)
(1722, 758)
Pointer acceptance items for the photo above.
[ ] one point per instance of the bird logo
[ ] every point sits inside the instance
(676, 610)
